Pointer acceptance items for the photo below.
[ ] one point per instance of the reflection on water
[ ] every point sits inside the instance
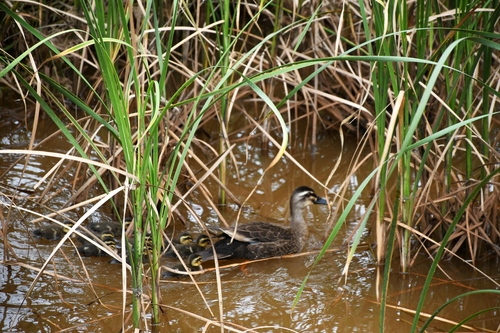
(259, 295)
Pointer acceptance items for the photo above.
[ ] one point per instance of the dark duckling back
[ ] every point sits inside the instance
(52, 232)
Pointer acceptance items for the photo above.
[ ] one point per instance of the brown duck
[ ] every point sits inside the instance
(257, 240)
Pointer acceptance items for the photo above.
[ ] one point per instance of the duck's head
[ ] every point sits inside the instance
(203, 241)
(304, 196)
(185, 238)
(128, 221)
(148, 245)
(195, 260)
(107, 236)
(68, 225)
(109, 239)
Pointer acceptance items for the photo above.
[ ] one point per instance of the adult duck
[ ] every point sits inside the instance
(257, 240)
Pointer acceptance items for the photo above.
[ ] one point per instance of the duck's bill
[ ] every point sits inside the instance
(320, 201)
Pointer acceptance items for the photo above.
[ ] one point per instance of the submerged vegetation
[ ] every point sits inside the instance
(416, 82)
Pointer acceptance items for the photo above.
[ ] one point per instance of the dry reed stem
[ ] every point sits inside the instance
(246, 263)
(226, 325)
(427, 315)
(59, 276)
(427, 238)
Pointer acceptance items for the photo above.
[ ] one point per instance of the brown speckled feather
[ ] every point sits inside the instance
(258, 232)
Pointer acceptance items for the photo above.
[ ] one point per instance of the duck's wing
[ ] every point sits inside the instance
(272, 249)
(258, 232)
(225, 249)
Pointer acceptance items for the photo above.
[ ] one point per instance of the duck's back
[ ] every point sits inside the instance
(258, 232)
(256, 240)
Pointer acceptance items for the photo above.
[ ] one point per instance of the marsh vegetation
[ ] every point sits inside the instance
(154, 111)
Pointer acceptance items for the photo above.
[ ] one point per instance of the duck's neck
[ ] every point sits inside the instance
(297, 221)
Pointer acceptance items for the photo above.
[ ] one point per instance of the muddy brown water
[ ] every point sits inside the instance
(258, 296)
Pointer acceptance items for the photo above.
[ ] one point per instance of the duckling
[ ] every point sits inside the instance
(92, 250)
(202, 242)
(146, 252)
(53, 232)
(257, 240)
(187, 249)
(148, 248)
(184, 238)
(193, 264)
(114, 227)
